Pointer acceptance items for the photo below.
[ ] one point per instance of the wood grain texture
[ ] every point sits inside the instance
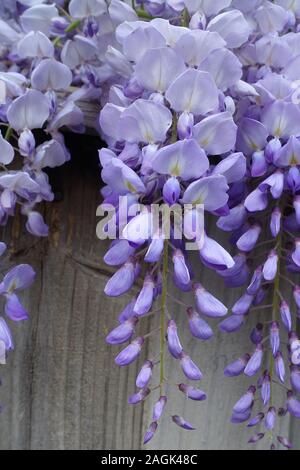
(60, 388)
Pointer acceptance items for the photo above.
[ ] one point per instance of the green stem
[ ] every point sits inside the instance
(144, 14)
(163, 314)
(8, 133)
(276, 305)
(72, 26)
(185, 18)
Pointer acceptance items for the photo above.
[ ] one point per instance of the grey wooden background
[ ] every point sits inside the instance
(61, 388)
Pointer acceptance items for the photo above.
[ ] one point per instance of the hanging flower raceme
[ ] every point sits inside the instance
(200, 112)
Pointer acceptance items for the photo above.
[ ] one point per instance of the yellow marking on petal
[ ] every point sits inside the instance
(130, 187)
(293, 160)
(175, 171)
(278, 132)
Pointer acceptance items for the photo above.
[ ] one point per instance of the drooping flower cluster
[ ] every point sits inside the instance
(200, 111)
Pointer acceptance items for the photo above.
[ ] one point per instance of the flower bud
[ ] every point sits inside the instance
(174, 345)
(122, 333)
(130, 353)
(181, 422)
(144, 375)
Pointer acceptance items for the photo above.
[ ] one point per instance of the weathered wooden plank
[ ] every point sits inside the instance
(61, 389)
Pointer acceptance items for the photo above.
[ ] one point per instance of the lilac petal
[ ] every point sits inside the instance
(215, 255)
(122, 333)
(293, 405)
(181, 422)
(130, 353)
(207, 304)
(38, 18)
(195, 46)
(198, 327)
(272, 149)
(286, 316)
(234, 220)
(26, 143)
(237, 367)
(145, 298)
(293, 181)
(140, 40)
(127, 312)
(256, 420)
(77, 51)
(154, 251)
(259, 164)
(256, 201)
(256, 438)
(14, 309)
(121, 281)
(251, 136)
(29, 111)
(271, 18)
(5, 334)
(232, 167)
(296, 294)
(144, 375)
(232, 27)
(256, 335)
(289, 154)
(192, 392)
(274, 338)
(266, 388)
(185, 125)
(270, 266)
(280, 367)
(193, 91)
(70, 116)
(238, 418)
(242, 305)
(171, 191)
(118, 253)
(35, 224)
(245, 402)
(207, 131)
(232, 323)
(184, 158)
(51, 75)
(139, 396)
(249, 239)
(224, 67)
(174, 345)
(158, 408)
(296, 253)
(181, 270)
(145, 121)
(18, 278)
(189, 368)
(283, 441)
(35, 44)
(274, 183)
(150, 433)
(275, 222)
(295, 378)
(270, 419)
(254, 362)
(6, 151)
(255, 281)
(122, 178)
(282, 119)
(84, 8)
(210, 191)
(157, 69)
